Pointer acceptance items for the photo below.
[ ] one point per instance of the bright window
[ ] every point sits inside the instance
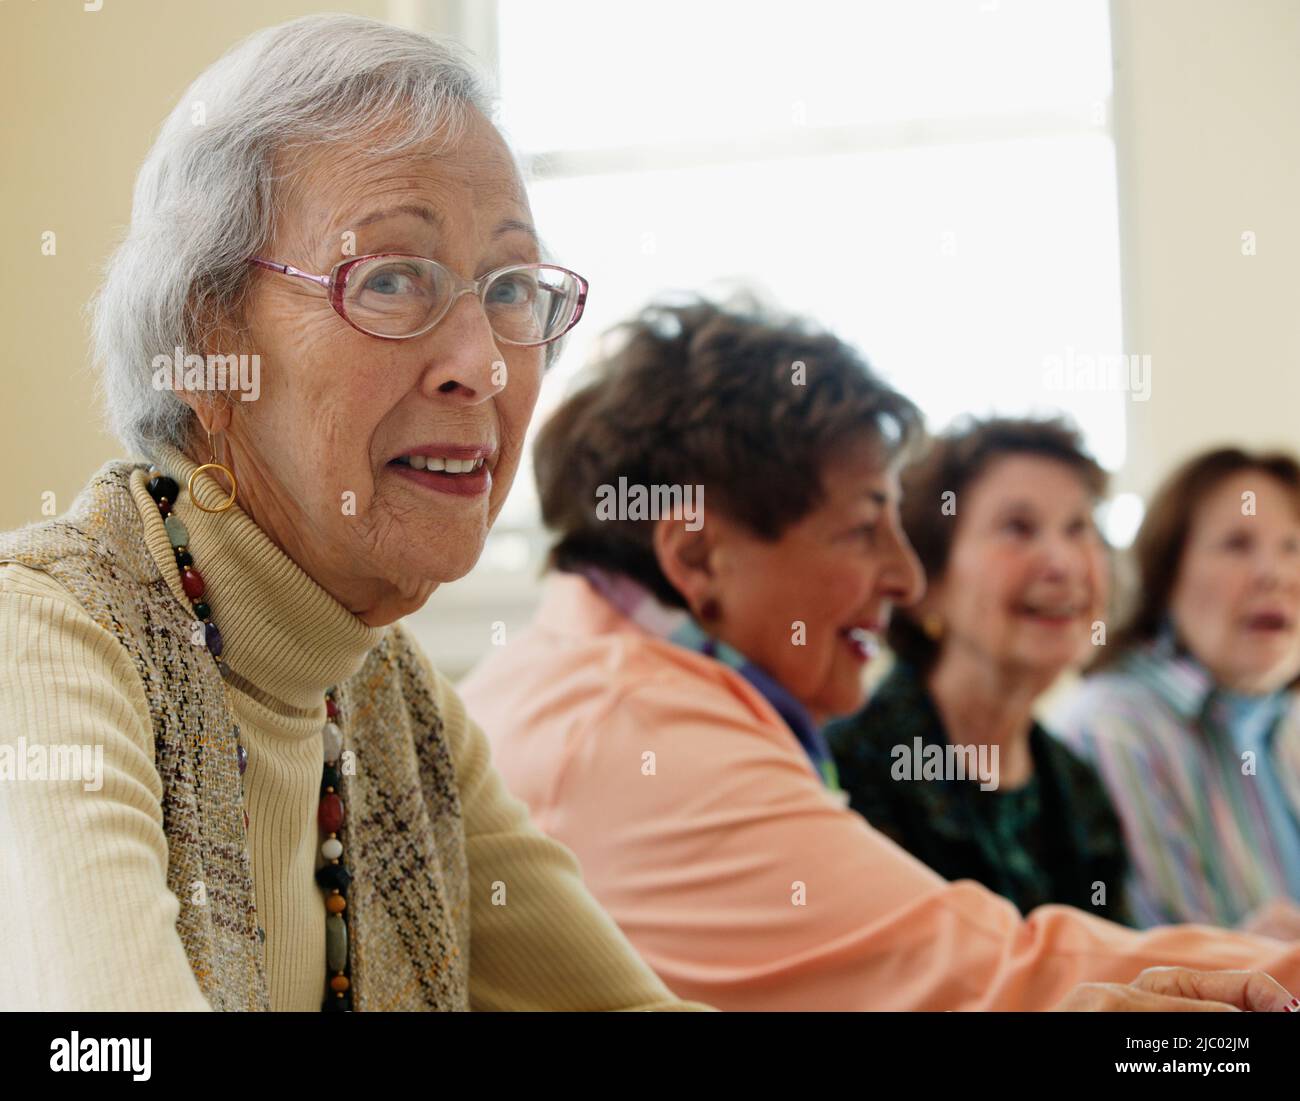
(932, 179)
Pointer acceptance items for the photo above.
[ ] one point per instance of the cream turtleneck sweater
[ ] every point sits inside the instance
(86, 917)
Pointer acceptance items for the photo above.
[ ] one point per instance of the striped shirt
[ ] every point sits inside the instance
(1206, 784)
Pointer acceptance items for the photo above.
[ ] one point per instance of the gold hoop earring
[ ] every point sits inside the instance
(214, 465)
(932, 625)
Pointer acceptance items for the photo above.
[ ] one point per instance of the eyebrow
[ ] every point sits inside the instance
(413, 210)
(877, 497)
(431, 216)
(512, 225)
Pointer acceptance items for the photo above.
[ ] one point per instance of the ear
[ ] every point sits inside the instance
(214, 410)
(687, 558)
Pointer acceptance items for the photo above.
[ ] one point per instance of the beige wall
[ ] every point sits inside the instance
(1207, 100)
(84, 94)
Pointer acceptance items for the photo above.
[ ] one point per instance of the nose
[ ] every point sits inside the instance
(464, 360)
(1064, 556)
(902, 581)
(1278, 568)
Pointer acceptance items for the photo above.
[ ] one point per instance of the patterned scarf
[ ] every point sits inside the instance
(676, 625)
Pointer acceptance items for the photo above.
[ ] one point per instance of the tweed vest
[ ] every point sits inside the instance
(408, 904)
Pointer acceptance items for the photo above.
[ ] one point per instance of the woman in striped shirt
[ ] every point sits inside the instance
(1191, 719)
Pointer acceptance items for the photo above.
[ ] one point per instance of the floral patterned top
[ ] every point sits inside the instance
(1054, 840)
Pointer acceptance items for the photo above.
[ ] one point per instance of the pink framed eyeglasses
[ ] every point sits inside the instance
(395, 296)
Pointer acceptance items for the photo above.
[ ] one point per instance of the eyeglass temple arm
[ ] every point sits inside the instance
(288, 269)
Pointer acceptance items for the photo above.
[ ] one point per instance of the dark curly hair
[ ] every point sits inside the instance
(732, 397)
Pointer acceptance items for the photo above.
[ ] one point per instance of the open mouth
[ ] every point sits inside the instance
(1268, 621)
(1052, 614)
(862, 643)
(446, 466)
(460, 471)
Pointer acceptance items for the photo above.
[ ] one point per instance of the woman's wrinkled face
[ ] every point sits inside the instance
(317, 454)
(1026, 577)
(1236, 601)
(809, 606)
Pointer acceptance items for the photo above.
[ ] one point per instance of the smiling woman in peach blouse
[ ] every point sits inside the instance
(661, 714)
(293, 810)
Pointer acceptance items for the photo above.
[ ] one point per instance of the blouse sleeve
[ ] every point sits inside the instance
(86, 917)
(538, 939)
(748, 884)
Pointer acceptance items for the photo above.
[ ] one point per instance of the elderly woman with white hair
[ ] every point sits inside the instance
(293, 811)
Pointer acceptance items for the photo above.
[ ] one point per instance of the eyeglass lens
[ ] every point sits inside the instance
(397, 295)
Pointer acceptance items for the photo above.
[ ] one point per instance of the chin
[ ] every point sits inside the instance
(426, 565)
(840, 704)
(1051, 660)
(1272, 680)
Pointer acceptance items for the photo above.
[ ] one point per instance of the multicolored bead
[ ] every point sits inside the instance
(333, 742)
(334, 877)
(330, 814)
(336, 943)
(177, 532)
(162, 486)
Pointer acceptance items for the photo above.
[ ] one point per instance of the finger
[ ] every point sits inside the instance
(1249, 990)
(1147, 1002)
(1121, 998)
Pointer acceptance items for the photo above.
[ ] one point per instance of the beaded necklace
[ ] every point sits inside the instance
(333, 877)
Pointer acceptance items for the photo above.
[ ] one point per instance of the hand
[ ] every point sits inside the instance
(1279, 918)
(1182, 990)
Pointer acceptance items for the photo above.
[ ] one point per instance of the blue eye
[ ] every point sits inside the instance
(512, 290)
(390, 281)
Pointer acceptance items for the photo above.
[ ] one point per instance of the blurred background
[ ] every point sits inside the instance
(983, 195)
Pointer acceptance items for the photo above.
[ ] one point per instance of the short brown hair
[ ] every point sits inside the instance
(735, 397)
(956, 460)
(1162, 538)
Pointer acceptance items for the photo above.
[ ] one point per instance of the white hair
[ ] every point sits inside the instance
(204, 198)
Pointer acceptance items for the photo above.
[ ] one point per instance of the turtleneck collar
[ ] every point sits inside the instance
(281, 632)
